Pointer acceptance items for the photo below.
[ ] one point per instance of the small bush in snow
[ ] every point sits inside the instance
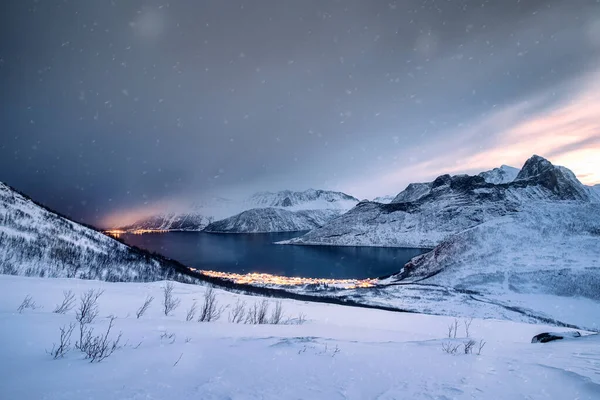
(142, 310)
(88, 306)
(238, 312)
(300, 320)
(171, 337)
(257, 314)
(191, 313)
(481, 344)
(67, 304)
(450, 348)
(468, 346)
(453, 329)
(27, 303)
(210, 310)
(85, 314)
(64, 345)
(98, 348)
(467, 323)
(277, 314)
(170, 302)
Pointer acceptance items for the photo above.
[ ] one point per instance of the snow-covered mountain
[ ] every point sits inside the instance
(310, 199)
(261, 220)
(201, 214)
(384, 199)
(547, 247)
(504, 174)
(425, 214)
(413, 192)
(35, 241)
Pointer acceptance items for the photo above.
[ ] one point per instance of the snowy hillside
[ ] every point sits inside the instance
(203, 213)
(37, 242)
(504, 174)
(594, 192)
(261, 220)
(446, 206)
(546, 248)
(338, 353)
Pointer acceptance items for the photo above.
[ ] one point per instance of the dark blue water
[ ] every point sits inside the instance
(243, 253)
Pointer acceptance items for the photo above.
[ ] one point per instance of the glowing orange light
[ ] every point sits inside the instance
(268, 279)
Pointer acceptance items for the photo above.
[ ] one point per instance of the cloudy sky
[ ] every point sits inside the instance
(110, 108)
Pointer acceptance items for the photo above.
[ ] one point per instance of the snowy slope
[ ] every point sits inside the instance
(446, 206)
(203, 213)
(260, 220)
(339, 353)
(504, 174)
(37, 242)
(547, 248)
(594, 192)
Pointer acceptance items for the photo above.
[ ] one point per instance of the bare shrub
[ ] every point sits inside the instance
(64, 345)
(238, 312)
(257, 314)
(263, 309)
(301, 319)
(277, 314)
(88, 306)
(27, 303)
(142, 310)
(450, 348)
(191, 313)
(210, 310)
(67, 304)
(468, 346)
(453, 329)
(85, 314)
(171, 337)
(481, 344)
(335, 351)
(170, 302)
(98, 348)
(467, 323)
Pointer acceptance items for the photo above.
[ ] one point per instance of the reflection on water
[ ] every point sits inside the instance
(244, 253)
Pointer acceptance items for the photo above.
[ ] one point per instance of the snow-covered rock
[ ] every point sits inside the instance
(425, 214)
(504, 174)
(35, 241)
(384, 199)
(261, 220)
(202, 214)
(413, 192)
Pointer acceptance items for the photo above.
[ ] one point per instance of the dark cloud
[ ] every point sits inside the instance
(113, 105)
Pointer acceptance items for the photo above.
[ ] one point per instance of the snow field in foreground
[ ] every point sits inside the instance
(339, 353)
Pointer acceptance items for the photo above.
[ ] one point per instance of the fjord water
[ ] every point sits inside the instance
(244, 253)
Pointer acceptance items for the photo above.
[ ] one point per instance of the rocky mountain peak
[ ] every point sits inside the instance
(533, 167)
